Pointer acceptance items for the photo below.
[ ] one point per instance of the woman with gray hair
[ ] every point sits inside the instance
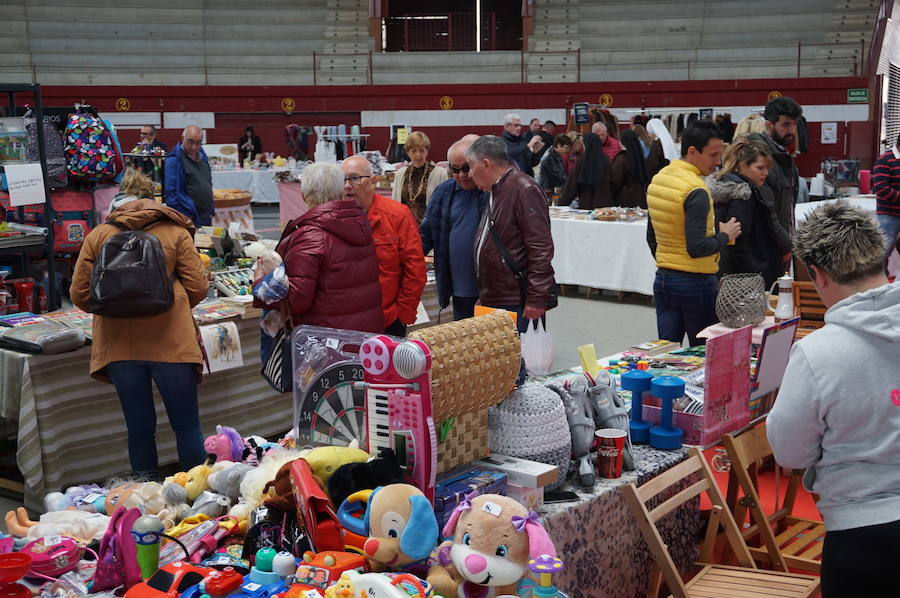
(329, 258)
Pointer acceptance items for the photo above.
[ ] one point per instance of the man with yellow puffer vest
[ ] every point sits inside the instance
(682, 236)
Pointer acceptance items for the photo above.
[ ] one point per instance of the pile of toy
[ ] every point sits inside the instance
(262, 519)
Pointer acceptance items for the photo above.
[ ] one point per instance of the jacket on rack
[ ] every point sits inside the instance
(167, 337)
(329, 259)
(401, 263)
(754, 251)
(518, 210)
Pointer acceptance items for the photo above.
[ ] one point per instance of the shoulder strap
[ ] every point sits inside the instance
(520, 274)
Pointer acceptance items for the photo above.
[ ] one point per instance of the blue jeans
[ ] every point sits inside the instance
(890, 226)
(177, 384)
(684, 304)
(463, 307)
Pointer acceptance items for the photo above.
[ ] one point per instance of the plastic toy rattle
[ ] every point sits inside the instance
(146, 531)
(638, 382)
(14, 566)
(545, 566)
(666, 436)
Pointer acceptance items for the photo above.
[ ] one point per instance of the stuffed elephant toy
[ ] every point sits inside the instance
(581, 415)
(607, 406)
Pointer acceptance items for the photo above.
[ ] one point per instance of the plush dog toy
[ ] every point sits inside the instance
(399, 522)
(493, 539)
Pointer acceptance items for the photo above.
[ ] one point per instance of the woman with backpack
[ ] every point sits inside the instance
(148, 333)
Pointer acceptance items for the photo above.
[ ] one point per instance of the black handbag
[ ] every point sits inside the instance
(278, 368)
(520, 273)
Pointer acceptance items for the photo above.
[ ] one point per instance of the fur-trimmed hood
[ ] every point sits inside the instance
(730, 187)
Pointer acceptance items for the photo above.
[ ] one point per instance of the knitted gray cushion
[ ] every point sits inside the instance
(531, 424)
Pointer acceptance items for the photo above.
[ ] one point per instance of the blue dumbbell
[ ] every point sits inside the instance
(666, 436)
(638, 382)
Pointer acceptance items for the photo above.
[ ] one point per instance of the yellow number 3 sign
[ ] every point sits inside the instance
(123, 105)
(446, 103)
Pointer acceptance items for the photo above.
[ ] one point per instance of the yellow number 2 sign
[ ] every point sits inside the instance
(123, 105)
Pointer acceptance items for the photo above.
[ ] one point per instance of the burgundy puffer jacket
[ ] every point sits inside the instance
(330, 261)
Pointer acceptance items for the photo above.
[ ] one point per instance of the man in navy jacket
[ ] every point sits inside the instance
(188, 187)
(449, 227)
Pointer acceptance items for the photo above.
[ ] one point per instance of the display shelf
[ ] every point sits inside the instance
(45, 246)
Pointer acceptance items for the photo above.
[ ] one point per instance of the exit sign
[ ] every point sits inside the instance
(858, 96)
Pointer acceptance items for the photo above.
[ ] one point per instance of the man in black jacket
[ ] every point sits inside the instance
(524, 152)
(781, 186)
(553, 172)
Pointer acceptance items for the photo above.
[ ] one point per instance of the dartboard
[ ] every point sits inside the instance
(333, 412)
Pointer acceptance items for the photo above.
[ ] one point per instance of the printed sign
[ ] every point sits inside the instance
(581, 113)
(829, 132)
(26, 184)
(858, 96)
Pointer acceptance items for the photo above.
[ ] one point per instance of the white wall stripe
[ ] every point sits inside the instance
(486, 118)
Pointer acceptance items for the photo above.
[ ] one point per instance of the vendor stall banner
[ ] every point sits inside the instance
(223, 347)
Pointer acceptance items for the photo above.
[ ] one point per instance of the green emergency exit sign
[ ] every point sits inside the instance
(858, 96)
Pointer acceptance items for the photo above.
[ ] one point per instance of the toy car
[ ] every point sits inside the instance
(318, 571)
(171, 580)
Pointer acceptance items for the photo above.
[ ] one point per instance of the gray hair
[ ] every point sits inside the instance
(842, 240)
(509, 118)
(488, 146)
(322, 182)
(460, 145)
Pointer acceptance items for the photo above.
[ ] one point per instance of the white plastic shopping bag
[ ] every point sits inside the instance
(537, 348)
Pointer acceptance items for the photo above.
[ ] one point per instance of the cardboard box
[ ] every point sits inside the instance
(530, 498)
(523, 472)
(454, 485)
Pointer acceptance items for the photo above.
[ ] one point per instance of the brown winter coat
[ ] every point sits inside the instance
(169, 337)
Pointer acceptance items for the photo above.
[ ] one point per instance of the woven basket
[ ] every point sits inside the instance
(475, 363)
(466, 442)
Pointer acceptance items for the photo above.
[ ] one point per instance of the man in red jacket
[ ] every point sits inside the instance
(401, 263)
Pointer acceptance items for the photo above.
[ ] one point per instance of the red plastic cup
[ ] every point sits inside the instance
(25, 295)
(610, 448)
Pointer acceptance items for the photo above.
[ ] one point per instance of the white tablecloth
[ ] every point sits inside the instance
(866, 202)
(261, 183)
(603, 255)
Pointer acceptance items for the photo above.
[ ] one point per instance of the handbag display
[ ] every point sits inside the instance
(278, 366)
(90, 148)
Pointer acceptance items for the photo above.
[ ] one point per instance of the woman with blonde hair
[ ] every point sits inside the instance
(134, 185)
(414, 184)
(738, 192)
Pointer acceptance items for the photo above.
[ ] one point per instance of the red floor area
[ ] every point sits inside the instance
(803, 506)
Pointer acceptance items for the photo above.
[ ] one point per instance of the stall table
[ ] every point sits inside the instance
(261, 183)
(601, 544)
(603, 255)
(71, 429)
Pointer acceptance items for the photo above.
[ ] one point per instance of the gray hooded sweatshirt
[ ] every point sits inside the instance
(838, 411)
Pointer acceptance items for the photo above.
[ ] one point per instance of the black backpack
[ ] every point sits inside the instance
(129, 278)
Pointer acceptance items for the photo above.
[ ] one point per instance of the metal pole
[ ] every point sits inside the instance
(449, 31)
(314, 69)
(48, 207)
(371, 73)
(578, 63)
(522, 65)
(478, 25)
(799, 50)
(406, 33)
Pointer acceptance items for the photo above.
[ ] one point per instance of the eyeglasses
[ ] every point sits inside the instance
(355, 180)
(458, 169)
(146, 134)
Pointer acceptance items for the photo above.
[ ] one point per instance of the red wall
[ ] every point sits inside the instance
(238, 106)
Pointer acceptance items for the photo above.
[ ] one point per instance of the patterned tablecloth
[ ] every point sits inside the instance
(604, 553)
(71, 429)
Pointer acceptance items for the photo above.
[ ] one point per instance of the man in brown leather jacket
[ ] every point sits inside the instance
(517, 211)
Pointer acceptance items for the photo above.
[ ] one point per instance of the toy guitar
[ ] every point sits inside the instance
(398, 406)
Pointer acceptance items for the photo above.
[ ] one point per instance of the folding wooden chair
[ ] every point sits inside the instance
(808, 306)
(798, 543)
(713, 581)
